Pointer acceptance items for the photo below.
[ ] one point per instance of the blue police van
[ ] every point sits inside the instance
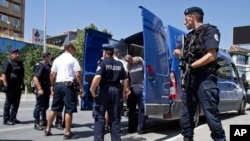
(162, 91)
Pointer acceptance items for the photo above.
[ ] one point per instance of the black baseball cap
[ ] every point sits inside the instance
(45, 54)
(192, 10)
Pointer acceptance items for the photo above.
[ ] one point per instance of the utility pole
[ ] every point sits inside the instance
(45, 20)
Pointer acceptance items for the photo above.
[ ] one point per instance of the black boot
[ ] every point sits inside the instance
(37, 125)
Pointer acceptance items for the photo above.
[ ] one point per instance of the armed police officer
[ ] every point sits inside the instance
(13, 81)
(42, 91)
(108, 75)
(198, 60)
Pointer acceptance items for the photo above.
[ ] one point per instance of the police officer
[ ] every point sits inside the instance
(13, 81)
(63, 71)
(136, 76)
(42, 91)
(108, 75)
(201, 46)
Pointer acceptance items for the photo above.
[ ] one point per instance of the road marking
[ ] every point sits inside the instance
(21, 109)
(16, 128)
(180, 135)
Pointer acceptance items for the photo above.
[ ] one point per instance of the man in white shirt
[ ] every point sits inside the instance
(64, 69)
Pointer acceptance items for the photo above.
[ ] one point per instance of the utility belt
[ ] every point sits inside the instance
(209, 69)
(66, 83)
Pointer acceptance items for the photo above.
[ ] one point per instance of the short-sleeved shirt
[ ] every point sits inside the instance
(14, 72)
(111, 71)
(211, 37)
(65, 66)
(42, 72)
(123, 63)
(136, 72)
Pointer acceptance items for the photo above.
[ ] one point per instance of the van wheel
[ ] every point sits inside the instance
(241, 111)
(197, 116)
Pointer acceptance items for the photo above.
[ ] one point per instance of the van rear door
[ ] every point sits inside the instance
(91, 54)
(156, 57)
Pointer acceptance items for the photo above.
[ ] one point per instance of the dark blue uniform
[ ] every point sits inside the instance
(14, 72)
(42, 72)
(108, 99)
(203, 89)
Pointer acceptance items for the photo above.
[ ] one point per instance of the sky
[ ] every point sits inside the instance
(123, 17)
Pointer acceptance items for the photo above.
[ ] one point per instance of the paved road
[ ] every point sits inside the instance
(156, 130)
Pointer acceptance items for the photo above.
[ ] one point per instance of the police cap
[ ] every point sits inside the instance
(14, 50)
(45, 54)
(107, 47)
(192, 10)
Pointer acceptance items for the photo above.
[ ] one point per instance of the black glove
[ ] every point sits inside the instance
(4, 89)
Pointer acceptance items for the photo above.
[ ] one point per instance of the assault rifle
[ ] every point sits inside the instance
(184, 64)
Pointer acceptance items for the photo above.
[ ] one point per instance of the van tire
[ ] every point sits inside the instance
(197, 115)
(242, 110)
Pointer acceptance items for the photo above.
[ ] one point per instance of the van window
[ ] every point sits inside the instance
(224, 71)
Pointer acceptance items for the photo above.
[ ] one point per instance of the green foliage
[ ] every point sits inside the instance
(31, 54)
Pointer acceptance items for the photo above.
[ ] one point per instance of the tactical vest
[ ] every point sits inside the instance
(44, 78)
(194, 47)
(16, 75)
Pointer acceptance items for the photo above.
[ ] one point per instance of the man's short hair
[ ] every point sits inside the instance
(68, 45)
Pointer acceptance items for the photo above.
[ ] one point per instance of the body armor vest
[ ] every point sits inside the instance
(194, 47)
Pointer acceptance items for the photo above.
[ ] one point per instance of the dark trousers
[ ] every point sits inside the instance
(108, 100)
(11, 105)
(136, 118)
(205, 92)
(42, 104)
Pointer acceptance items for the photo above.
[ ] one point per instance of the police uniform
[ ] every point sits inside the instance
(136, 119)
(108, 97)
(202, 86)
(42, 72)
(14, 72)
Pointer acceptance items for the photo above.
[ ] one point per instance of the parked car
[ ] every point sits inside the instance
(162, 89)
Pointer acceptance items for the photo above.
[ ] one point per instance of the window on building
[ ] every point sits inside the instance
(4, 3)
(16, 8)
(3, 18)
(15, 23)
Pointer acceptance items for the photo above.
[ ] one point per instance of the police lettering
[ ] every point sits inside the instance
(113, 67)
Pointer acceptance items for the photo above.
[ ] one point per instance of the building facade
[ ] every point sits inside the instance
(241, 58)
(12, 14)
(61, 39)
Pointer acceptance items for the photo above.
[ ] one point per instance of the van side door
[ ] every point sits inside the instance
(156, 57)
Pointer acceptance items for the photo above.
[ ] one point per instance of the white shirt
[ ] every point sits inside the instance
(65, 67)
(123, 63)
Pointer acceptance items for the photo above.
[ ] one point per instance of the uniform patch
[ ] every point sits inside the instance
(216, 37)
(98, 68)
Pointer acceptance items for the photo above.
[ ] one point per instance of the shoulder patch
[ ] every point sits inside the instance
(216, 37)
(98, 68)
